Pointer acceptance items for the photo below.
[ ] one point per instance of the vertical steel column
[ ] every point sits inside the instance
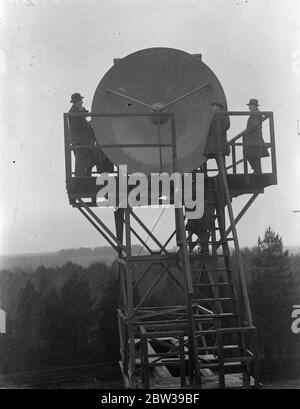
(233, 158)
(129, 308)
(220, 346)
(273, 149)
(236, 244)
(256, 374)
(180, 227)
(119, 223)
(68, 163)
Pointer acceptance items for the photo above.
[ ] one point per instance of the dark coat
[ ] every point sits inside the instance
(80, 129)
(211, 148)
(82, 133)
(254, 145)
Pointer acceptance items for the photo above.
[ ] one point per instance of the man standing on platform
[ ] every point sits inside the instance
(254, 145)
(216, 139)
(82, 133)
(217, 134)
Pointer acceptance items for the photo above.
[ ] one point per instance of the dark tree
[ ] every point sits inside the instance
(272, 295)
(51, 329)
(77, 314)
(107, 318)
(27, 337)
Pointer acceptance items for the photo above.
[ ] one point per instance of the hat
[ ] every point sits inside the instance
(218, 104)
(76, 97)
(253, 101)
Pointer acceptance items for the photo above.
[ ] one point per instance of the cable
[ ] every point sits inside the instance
(152, 230)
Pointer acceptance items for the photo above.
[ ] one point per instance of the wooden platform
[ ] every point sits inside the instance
(240, 184)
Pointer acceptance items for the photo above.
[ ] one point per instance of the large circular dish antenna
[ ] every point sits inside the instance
(156, 80)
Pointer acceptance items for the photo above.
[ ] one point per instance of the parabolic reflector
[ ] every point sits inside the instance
(146, 81)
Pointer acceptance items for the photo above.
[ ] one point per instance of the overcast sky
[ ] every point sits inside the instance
(52, 48)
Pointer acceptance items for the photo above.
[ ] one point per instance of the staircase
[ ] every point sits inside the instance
(211, 340)
(224, 341)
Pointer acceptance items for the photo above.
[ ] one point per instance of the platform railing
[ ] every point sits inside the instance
(236, 158)
(236, 141)
(69, 147)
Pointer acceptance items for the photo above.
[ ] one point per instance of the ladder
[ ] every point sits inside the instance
(211, 342)
(207, 339)
(225, 341)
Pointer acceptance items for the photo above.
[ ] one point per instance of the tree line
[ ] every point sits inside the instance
(273, 279)
(59, 317)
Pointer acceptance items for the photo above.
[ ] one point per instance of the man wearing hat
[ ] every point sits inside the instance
(217, 133)
(82, 134)
(254, 145)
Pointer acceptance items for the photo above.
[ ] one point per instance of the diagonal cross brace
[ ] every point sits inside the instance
(103, 226)
(149, 232)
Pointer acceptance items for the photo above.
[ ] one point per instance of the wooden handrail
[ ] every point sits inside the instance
(236, 137)
(235, 163)
(236, 242)
(265, 116)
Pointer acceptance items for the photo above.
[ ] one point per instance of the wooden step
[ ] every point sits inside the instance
(238, 359)
(214, 315)
(229, 330)
(196, 270)
(216, 365)
(205, 285)
(215, 348)
(212, 299)
(227, 363)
